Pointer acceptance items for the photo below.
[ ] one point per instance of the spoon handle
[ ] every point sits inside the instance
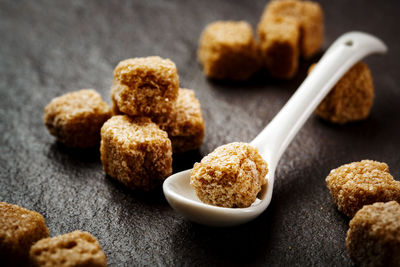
(337, 60)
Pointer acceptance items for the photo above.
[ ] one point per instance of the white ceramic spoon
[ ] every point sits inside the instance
(273, 139)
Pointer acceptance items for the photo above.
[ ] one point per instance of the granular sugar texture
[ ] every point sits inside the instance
(146, 86)
(135, 152)
(373, 238)
(185, 124)
(361, 183)
(351, 98)
(227, 50)
(19, 230)
(287, 29)
(75, 118)
(231, 176)
(73, 249)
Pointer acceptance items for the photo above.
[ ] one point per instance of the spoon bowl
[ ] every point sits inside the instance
(272, 141)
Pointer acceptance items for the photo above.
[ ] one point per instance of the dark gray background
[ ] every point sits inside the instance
(48, 48)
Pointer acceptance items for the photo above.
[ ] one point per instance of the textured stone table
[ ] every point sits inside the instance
(49, 48)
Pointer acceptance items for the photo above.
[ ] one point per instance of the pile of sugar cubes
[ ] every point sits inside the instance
(151, 118)
(287, 30)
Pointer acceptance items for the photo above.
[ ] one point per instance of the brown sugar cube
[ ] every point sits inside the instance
(75, 118)
(361, 183)
(227, 50)
(279, 39)
(145, 86)
(311, 29)
(309, 16)
(231, 176)
(185, 124)
(311, 25)
(19, 230)
(73, 249)
(351, 98)
(374, 235)
(135, 152)
(289, 28)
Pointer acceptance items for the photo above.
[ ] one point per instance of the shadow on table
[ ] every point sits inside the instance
(365, 135)
(119, 192)
(184, 161)
(263, 79)
(180, 162)
(73, 156)
(240, 245)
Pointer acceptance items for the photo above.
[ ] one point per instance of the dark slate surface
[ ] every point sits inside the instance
(48, 48)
